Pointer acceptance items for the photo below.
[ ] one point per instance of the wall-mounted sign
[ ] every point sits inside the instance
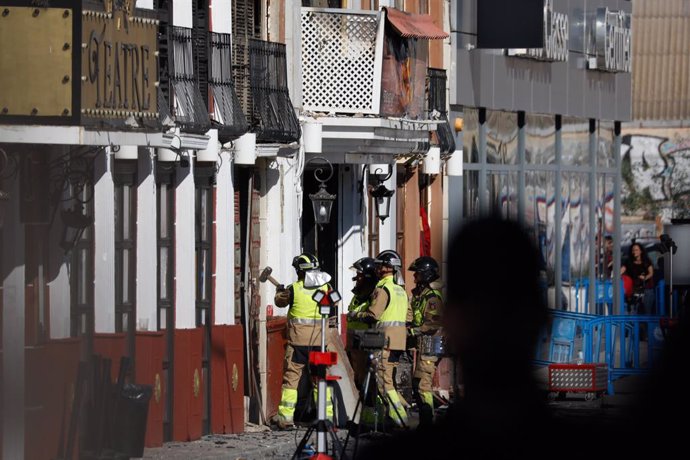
(38, 68)
(119, 67)
(556, 32)
(613, 42)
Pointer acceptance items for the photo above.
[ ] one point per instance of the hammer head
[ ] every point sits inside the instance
(265, 273)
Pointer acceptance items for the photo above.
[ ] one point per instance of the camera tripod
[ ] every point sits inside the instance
(372, 362)
(321, 361)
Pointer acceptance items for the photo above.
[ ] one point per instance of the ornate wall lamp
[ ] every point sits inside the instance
(381, 194)
(322, 201)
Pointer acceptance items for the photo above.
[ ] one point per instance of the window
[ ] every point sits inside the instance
(166, 244)
(204, 234)
(82, 268)
(204, 179)
(124, 176)
(165, 236)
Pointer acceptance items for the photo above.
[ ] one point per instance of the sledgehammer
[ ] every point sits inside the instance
(266, 276)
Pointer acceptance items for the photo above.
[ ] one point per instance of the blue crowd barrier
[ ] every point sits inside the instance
(613, 339)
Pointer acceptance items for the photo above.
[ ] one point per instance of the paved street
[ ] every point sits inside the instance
(260, 442)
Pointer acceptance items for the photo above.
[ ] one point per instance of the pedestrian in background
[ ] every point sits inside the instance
(640, 269)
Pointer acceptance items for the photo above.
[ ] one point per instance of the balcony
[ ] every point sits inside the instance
(260, 76)
(365, 81)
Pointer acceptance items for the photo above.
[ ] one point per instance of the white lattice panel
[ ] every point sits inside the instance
(339, 51)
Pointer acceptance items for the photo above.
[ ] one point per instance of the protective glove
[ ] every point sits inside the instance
(280, 288)
(352, 315)
(413, 332)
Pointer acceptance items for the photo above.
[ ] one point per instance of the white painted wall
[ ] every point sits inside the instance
(221, 16)
(293, 40)
(104, 244)
(145, 4)
(147, 245)
(280, 211)
(185, 269)
(182, 13)
(352, 229)
(387, 229)
(224, 295)
(59, 290)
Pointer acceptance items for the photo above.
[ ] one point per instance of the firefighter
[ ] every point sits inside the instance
(427, 304)
(388, 311)
(365, 282)
(303, 336)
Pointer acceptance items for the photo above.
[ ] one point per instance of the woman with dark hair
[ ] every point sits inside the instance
(640, 269)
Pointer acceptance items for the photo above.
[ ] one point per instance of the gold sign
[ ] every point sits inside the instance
(119, 68)
(36, 62)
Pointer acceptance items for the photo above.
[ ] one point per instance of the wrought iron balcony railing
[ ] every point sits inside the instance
(437, 109)
(260, 75)
(226, 111)
(188, 105)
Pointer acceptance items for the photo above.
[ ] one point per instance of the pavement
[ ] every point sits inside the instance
(259, 442)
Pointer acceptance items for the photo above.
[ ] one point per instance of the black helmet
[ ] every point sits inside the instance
(427, 268)
(305, 262)
(366, 266)
(389, 258)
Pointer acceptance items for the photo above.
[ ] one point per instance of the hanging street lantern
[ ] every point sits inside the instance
(322, 201)
(382, 201)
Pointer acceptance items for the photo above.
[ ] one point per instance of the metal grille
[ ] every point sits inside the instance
(163, 63)
(273, 116)
(438, 109)
(242, 30)
(227, 112)
(338, 56)
(189, 107)
(591, 377)
(200, 36)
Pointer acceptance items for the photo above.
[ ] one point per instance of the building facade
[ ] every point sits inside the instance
(542, 132)
(151, 169)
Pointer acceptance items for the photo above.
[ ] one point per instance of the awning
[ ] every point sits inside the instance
(414, 25)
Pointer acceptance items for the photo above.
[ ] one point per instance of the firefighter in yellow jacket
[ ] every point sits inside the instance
(388, 311)
(303, 336)
(427, 304)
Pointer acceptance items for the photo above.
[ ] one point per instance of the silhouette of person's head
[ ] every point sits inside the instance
(495, 309)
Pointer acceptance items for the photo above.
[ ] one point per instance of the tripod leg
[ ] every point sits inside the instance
(363, 399)
(303, 443)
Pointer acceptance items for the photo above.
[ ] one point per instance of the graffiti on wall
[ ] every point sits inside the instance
(656, 173)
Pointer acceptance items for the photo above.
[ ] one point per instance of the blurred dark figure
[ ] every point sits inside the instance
(657, 420)
(493, 318)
